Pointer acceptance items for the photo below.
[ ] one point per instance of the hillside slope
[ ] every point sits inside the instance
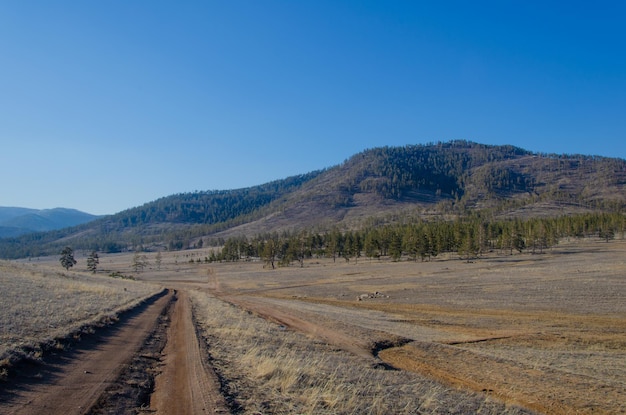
(380, 184)
(8, 213)
(449, 178)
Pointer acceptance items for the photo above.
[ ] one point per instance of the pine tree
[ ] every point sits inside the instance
(92, 261)
(468, 243)
(67, 258)
(370, 244)
(411, 242)
(140, 261)
(270, 251)
(395, 245)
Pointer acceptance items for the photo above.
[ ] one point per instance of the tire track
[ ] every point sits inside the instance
(72, 382)
(186, 385)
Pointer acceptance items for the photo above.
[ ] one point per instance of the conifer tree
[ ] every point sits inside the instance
(270, 251)
(92, 261)
(140, 261)
(67, 258)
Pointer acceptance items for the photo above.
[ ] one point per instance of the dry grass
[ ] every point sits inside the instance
(268, 369)
(41, 305)
(547, 332)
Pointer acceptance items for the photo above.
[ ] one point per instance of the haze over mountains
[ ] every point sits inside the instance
(15, 221)
(375, 186)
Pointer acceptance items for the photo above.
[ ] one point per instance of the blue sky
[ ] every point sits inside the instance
(106, 105)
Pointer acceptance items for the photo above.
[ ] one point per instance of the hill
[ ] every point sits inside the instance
(378, 185)
(8, 213)
(15, 221)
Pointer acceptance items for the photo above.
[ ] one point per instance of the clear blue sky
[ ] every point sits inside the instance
(106, 105)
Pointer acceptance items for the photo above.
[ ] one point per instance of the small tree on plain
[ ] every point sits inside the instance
(607, 234)
(270, 250)
(67, 258)
(158, 260)
(140, 261)
(92, 261)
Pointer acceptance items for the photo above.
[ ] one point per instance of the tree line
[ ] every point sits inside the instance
(469, 237)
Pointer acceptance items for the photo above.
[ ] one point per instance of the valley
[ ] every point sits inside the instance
(510, 334)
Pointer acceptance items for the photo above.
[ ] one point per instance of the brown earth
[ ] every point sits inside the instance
(72, 382)
(305, 323)
(450, 359)
(186, 384)
(90, 379)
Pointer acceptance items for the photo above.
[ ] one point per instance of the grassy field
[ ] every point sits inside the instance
(545, 332)
(509, 334)
(44, 303)
(272, 370)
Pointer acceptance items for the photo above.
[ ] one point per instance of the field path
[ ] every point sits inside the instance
(305, 323)
(449, 352)
(72, 382)
(186, 384)
(88, 378)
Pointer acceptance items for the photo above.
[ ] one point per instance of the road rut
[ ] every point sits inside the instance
(71, 382)
(187, 385)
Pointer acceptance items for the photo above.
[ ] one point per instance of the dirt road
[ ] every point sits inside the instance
(186, 384)
(71, 382)
(87, 378)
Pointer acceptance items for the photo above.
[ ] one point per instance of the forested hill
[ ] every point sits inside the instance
(374, 186)
(209, 207)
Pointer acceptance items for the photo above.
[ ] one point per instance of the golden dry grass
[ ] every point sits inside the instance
(40, 304)
(547, 332)
(544, 332)
(268, 369)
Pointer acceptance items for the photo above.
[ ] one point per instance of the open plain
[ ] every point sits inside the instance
(512, 334)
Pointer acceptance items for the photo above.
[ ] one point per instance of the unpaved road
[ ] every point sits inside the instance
(72, 382)
(75, 381)
(186, 384)
(305, 323)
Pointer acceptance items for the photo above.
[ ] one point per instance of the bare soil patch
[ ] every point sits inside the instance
(72, 381)
(268, 368)
(186, 384)
(130, 392)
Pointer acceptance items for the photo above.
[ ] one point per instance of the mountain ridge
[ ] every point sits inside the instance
(379, 184)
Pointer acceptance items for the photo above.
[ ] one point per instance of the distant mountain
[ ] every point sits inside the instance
(8, 213)
(15, 221)
(379, 185)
